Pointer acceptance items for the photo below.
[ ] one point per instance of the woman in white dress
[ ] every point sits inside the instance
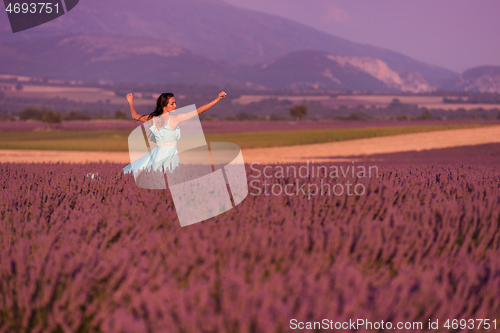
(166, 132)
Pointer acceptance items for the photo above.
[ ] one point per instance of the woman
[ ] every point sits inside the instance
(166, 132)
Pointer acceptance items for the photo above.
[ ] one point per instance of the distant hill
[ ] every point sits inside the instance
(112, 58)
(143, 60)
(116, 58)
(321, 70)
(481, 79)
(217, 31)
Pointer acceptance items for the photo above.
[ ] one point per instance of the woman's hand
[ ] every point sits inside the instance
(130, 98)
(221, 94)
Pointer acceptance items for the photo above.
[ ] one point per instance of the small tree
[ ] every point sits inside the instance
(298, 111)
(354, 116)
(425, 115)
(119, 114)
(76, 115)
(395, 102)
(50, 117)
(30, 114)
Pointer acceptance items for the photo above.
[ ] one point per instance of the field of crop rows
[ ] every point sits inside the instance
(101, 255)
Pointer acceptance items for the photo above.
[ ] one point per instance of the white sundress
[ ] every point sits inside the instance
(165, 157)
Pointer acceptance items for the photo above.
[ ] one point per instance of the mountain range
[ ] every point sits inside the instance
(209, 42)
(483, 79)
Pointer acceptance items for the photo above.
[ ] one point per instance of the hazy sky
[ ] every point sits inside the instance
(455, 34)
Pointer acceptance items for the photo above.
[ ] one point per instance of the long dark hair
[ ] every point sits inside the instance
(160, 104)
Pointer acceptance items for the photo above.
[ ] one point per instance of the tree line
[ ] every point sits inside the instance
(51, 117)
(274, 110)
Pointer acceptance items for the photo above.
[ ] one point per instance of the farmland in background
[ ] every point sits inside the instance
(117, 139)
(234, 126)
(430, 102)
(102, 99)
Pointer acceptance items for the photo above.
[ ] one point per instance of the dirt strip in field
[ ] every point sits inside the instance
(321, 152)
(339, 151)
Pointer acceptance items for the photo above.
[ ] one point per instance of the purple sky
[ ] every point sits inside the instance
(454, 34)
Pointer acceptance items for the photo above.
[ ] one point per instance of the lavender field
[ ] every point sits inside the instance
(102, 255)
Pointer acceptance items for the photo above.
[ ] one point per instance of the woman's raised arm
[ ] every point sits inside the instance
(135, 115)
(176, 119)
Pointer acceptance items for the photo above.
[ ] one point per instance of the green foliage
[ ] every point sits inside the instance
(50, 117)
(298, 111)
(119, 114)
(396, 107)
(31, 114)
(81, 140)
(395, 103)
(76, 115)
(425, 115)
